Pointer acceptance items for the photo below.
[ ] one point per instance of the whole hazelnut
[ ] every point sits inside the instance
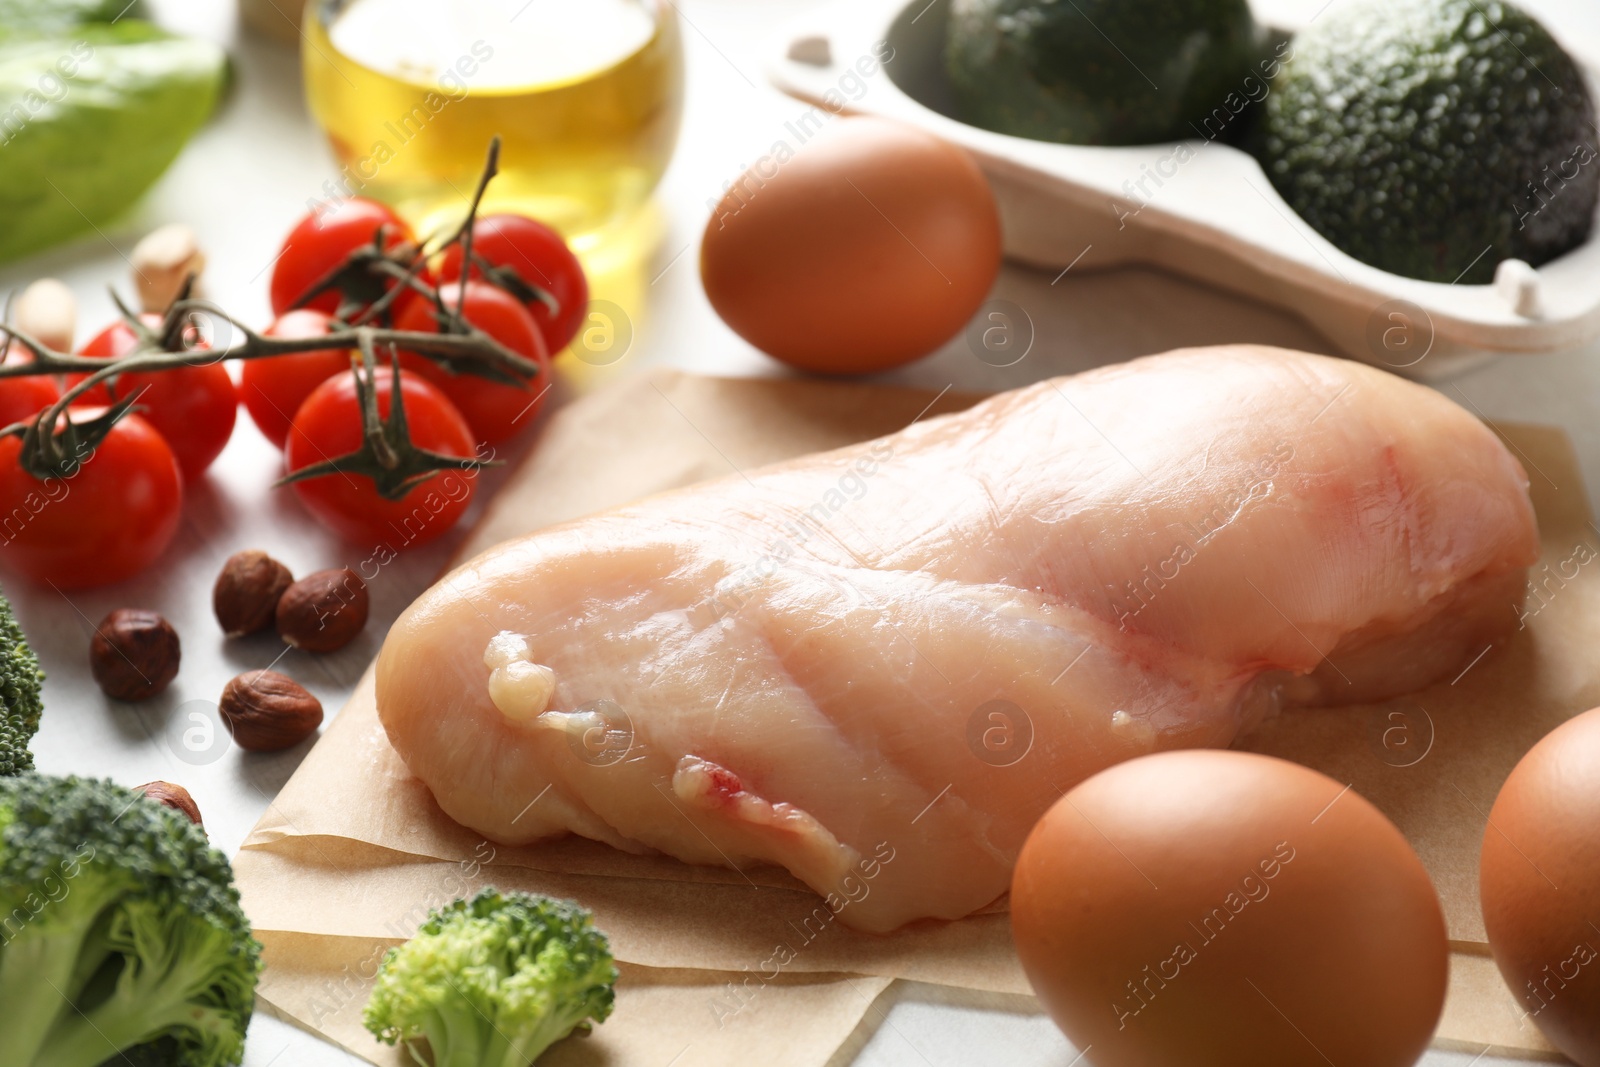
(266, 711)
(175, 797)
(324, 611)
(134, 654)
(247, 592)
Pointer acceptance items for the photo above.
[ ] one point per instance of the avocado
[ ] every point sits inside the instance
(1434, 138)
(1103, 72)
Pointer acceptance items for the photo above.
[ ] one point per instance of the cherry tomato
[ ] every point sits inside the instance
(542, 258)
(320, 242)
(23, 398)
(110, 520)
(328, 425)
(273, 389)
(494, 410)
(194, 408)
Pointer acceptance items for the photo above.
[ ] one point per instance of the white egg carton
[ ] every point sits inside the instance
(1200, 208)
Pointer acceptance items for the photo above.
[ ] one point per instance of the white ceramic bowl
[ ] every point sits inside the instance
(1202, 208)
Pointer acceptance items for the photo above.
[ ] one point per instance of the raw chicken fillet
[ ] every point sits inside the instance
(878, 666)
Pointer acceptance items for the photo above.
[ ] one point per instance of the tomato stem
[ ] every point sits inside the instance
(387, 455)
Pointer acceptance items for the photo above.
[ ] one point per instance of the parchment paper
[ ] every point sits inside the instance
(720, 964)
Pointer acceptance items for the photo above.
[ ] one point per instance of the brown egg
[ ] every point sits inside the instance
(1540, 884)
(1224, 909)
(865, 247)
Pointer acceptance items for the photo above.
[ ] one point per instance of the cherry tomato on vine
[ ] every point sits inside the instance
(494, 410)
(328, 425)
(273, 389)
(23, 398)
(194, 408)
(320, 242)
(108, 521)
(542, 258)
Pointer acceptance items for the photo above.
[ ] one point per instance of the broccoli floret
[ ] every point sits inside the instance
(119, 926)
(494, 981)
(20, 684)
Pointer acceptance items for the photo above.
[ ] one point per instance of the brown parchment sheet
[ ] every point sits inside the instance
(719, 964)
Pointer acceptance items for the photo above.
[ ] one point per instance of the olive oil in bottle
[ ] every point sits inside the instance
(585, 95)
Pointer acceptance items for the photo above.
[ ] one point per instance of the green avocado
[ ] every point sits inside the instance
(1434, 138)
(1104, 72)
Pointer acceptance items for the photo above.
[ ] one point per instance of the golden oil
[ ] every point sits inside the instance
(586, 96)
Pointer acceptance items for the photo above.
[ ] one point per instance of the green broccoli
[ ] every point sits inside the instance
(119, 926)
(20, 682)
(494, 981)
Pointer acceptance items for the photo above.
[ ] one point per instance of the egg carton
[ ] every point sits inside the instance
(1202, 208)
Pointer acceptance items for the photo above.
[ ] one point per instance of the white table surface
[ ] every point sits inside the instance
(244, 182)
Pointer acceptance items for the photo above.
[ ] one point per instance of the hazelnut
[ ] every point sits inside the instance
(246, 595)
(134, 654)
(266, 711)
(175, 797)
(323, 612)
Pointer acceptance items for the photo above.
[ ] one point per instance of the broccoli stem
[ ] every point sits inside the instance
(531, 1044)
(457, 1038)
(465, 1038)
(37, 980)
(120, 1024)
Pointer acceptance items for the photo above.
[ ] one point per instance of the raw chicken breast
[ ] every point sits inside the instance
(878, 666)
